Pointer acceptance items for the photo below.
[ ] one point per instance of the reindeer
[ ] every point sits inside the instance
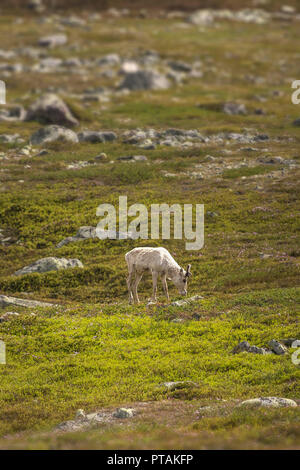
(160, 263)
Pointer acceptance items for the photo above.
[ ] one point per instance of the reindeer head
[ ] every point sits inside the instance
(181, 279)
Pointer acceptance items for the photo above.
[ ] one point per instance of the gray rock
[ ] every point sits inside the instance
(83, 421)
(49, 264)
(51, 109)
(277, 161)
(175, 132)
(234, 109)
(53, 134)
(101, 157)
(145, 80)
(73, 21)
(93, 137)
(35, 5)
(201, 17)
(179, 385)
(109, 136)
(274, 402)
(113, 235)
(12, 68)
(54, 40)
(96, 137)
(48, 64)
(6, 301)
(245, 346)
(133, 158)
(8, 316)
(211, 214)
(277, 347)
(84, 233)
(123, 413)
(14, 113)
(296, 122)
(179, 66)
(148, 146)
(261, 137)
(80, 414)
(7, 54)
(289, 341)
(10, 138)
(180, 303)
(109, 59)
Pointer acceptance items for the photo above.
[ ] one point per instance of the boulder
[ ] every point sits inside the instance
(51, 109)
(180, 303)
(277, 347)
(234, 109)
(84, 233)
(8, 316)
(14, 113)
(171, 386)
(49, 264)
(10, 138)
(53, 134)
(180, 66)
(109, 59)
(288, 342)
(53, 40)
(268, 402)
(145, 80)
(73, 21)
(244, 346)
(95, 137)
(6, 301)
(297, 122)
(123, 413)
(201, 17)
(35, 5)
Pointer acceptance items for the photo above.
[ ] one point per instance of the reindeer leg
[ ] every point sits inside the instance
(129, 285)
(154, 280)
(135, 286)
(165, 286)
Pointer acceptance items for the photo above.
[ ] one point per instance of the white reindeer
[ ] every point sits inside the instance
(160, 263)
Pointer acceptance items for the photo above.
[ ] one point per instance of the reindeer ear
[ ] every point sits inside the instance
(188, 271)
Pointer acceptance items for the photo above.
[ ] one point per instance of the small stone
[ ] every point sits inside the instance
(43, 152)
(274, 402)
(180, 303)
(244, 346)
(234, 109)
(123, 413)
(8, 316)
(288, 342)
(53, 134)
(101, 157)
(145, 80)
(277, 347)
(53, 41)
(213, 215)
(80, 414)
(51, 109)
(209, 158)
(5, 300)
(179, 385)
(49, 264)
(296, 122)
(93, 137)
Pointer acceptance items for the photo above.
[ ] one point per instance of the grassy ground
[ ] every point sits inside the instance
(94, 351)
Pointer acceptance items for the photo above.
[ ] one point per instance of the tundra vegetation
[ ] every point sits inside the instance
(92, 350)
